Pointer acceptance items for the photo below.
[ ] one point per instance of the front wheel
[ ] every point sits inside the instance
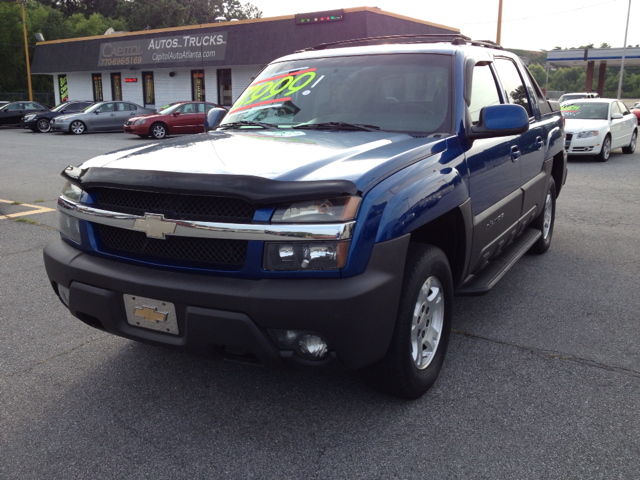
(43, 125)
(77, 127)
(605, 153)
(632, 144)
(545, 220)
(421, 335)
(158, 131)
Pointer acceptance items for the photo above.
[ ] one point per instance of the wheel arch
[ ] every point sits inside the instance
(159, 122)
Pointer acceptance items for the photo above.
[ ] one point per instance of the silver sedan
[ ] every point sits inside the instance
(99, 117)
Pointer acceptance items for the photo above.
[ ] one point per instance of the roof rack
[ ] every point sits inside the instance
(454, 39)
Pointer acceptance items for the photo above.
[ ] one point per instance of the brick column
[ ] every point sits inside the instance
(602, 71)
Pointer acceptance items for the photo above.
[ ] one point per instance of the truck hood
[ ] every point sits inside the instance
(290, 155)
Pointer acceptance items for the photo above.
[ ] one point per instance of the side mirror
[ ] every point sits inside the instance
(175, 114)
(214, 117)
(500, 121)
(617, 116)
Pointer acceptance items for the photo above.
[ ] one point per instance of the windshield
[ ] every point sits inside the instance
(93, 107)
(167, 109)
(565, 98)
(404, 92)
(57, 108)
(4, 106)
(584, 110)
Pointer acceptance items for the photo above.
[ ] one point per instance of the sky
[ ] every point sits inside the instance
(536, 25)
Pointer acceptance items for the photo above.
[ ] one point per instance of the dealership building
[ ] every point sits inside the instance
(213, 62)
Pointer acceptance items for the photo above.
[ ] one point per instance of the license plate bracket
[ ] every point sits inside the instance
(151, 314)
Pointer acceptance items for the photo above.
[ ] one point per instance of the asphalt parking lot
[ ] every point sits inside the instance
(541, 380)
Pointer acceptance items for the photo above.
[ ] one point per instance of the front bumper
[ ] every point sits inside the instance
(355, 315)
(142, 129)
(59, 126)
(31, 124)
(584, 146)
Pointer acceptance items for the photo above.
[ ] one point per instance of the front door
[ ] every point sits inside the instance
(494, 176)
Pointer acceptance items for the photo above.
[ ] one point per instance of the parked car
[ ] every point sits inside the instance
(176, 118)
(636, 111)
(41, 122)
(99, 117)
(12, 113)
(577, 96)
(336, 229)
(597, 126)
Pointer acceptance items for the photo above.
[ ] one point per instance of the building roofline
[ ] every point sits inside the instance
(243, 22)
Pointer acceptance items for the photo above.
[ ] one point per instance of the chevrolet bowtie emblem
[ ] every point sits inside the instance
(154, 226)
(151, 314)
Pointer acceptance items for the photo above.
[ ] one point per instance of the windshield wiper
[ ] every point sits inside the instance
(247, 123)
(338, 126)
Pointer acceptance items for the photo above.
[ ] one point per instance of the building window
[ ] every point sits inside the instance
(116, 86)
(148, 89)
(97, 87)
(64, 88)
(197, 85)
(224, 87)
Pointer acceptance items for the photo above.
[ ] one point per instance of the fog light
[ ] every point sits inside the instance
(64, 294)
(312, 347)
(306, 344)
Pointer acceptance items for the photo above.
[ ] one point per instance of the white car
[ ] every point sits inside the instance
(597, 126)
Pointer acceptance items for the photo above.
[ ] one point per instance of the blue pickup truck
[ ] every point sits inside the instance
(329, 218)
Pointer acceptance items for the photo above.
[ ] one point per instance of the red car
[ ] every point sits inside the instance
(636, 111)
(176, 118)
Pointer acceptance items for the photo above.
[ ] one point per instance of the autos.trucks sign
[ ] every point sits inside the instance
(176, 49)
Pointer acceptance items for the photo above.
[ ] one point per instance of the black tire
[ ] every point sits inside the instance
(398, 373)
(545, 220)
(43, 125)
(158, 131)
(605, 153)
(77, 127)
(632, 144)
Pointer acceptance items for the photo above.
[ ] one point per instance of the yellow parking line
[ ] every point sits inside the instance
(37, 209)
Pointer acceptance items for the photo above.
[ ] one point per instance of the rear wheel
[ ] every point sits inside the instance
(158, 130)
(632, 144)
(421, 335)
(545, 220)
(43, 125)
(605, 153)
(77, 127)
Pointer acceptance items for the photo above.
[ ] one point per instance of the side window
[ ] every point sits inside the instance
(132, 106)
(201, 108)
(122, 107)
(15, 106)
(187, 108)
(614, 108)
(543, 105)
(512, 83)
(623, 109)
(484, 91)
(75, 107)
(31, 106)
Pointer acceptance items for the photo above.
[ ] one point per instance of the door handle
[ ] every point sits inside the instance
(113, 114)
(539, 142)
(515, 153)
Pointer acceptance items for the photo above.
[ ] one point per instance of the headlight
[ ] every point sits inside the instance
(140, 121)
(306, 256)
(72, 192)
(588, 134)
(29, 117)
(61, 119)
(318, 211)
